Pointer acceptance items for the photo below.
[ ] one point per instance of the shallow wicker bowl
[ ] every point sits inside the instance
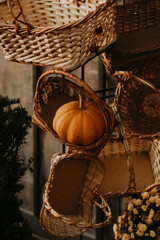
(56, 33)
(70, 193)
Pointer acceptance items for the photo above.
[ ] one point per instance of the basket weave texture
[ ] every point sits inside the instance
(58, 34)
(71, 225)
(53, 90)
(138, 31)
(136, 15)
(124, 157)
(138, 104)
(142, 62)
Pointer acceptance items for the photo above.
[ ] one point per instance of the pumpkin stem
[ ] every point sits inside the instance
(81, 102)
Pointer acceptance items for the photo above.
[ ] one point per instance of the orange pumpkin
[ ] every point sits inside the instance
(79, 125)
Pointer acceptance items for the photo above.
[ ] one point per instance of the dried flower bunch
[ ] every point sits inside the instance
(141, 220)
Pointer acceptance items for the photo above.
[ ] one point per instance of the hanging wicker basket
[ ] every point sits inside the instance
(57, 87)
(60, 34)
(138, 104)
(138, 33)
(132, 164)
(137, 16)
(142, 62)
(70, 193)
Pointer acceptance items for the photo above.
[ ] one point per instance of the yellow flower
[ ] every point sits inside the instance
(130, 229)
(145, 195)
(132, 235)
(152, 233)
(138, 202)
(135, 211)
(151, 214)
(157, 201)
(154, 191)
(125, 236)
(130, 206)
(144, 207)
(152, 199)
(149, 221)
(141, 229)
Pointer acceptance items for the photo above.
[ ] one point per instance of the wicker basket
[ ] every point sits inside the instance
(58, 34)
(57, 87)
(132, 164)
(137, 16)
(138, 104)
(138, 33)
(144, 62)
(70, 193)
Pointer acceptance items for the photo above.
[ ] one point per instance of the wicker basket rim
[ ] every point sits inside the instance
(41, 30)
(136, 51)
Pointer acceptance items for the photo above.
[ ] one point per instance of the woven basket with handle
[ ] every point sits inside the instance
(56, 33)
(70, 192)
(131, 163)
(138, 104)
(57, 87)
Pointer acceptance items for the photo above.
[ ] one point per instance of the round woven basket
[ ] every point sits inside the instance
(70, 193)
(59, 33)
(57, 87)
(131, 164)
(138, 104)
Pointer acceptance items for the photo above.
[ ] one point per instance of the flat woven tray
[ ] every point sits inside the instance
(57, 87)
(131, 163)
(58, 33)
(138, 104)
(70, 193)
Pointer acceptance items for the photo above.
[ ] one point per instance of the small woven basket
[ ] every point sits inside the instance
(70, 193)
(57, 87)
(58, 34)
(132, 164)
(138, 104)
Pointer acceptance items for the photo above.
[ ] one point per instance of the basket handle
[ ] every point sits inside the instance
(127, 75)
(15, 18)
(71, 76)
(105, 208)
(122, 132)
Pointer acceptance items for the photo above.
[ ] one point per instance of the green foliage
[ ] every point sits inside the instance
(14, 126)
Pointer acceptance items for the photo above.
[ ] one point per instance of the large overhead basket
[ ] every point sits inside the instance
(61, 34)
